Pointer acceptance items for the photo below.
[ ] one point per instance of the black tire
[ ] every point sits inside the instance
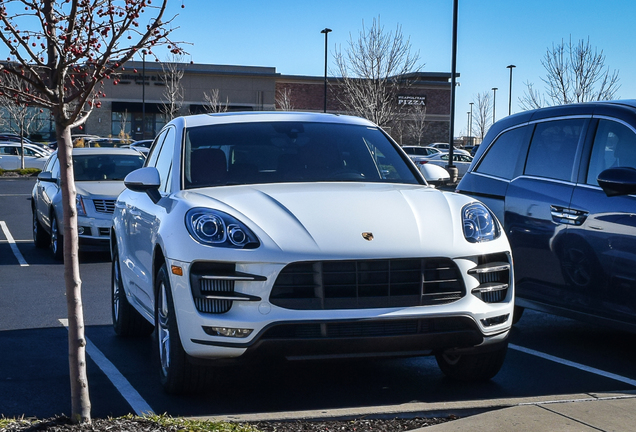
(178, 374)
(126, 320)
(472, 367)
(40, 237)
(56, 239)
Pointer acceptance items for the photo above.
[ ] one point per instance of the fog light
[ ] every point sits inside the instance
(228, 332)
(495, 320)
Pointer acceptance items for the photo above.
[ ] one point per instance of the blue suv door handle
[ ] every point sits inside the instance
(567, 215)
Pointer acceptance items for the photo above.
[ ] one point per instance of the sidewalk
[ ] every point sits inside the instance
(562, 413)
(595, 413)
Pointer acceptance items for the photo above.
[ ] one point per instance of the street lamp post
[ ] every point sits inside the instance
(470, 124)
(494, 98)
(326, 32)
(451, 168)
(510, 90)
(143, 94)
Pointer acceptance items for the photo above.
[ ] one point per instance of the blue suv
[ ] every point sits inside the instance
(561, 180)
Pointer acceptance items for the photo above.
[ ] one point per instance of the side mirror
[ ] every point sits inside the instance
(145, 180)
(618, 181)
(47, 176)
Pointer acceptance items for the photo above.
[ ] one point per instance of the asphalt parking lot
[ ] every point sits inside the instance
(548, 356)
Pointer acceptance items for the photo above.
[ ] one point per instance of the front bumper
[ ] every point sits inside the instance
(467, 323)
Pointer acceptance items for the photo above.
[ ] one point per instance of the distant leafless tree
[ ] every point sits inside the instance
(373, 70)
(23, 118)
(172, 98)
(212, 102)
(574, 73)
(416, 126)
(482, 118)
(283, 100)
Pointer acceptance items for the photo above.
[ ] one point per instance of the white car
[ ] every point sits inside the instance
(305, 236)
(99, 178)
(420, 150)
(11, 159)
(445, 148)
(461, 161)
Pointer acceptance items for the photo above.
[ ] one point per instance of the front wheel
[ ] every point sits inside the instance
(472, 367)
(177, 374)
(57, 239)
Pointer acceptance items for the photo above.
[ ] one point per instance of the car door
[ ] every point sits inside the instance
(144, 217)
(9, 158)
(600, 253)
(47, 192)
(537, 209)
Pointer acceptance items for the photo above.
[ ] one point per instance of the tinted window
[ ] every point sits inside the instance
(247, 153)
(100, 167)
(502, 156)
(553, 149)
(164, 161)
(614, 146)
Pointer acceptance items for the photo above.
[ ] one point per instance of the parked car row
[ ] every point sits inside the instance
(428, 158)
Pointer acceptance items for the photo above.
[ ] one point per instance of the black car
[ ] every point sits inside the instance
(560, 179)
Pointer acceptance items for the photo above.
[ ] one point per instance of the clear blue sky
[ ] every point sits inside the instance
(492, 34)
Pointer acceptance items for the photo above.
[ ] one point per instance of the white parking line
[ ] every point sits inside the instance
(134, 399)
(573, 364)
(14, 246)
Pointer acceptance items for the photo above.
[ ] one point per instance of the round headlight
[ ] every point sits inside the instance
(216, 228)
(479, 223)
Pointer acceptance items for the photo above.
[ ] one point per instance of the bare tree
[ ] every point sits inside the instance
(172, 98)
(373, 70)
(61, 50)
(23, 119)
(417, 125)
(482, 118)
(284, 100)
(212, 102)
(574, 73)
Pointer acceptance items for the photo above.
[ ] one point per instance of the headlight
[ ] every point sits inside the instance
(479, 223)
(79, 203)
(215, 228)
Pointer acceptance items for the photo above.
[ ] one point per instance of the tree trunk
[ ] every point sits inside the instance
(80, 401)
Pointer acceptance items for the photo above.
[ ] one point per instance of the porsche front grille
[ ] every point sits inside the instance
(367, 284)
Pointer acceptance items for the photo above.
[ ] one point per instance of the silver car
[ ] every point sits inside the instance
(99, 175)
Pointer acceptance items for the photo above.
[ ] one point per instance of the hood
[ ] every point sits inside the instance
(102, 189)
(340, 218)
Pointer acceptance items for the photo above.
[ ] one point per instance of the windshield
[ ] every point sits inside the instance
(278, 152)
(105, 166)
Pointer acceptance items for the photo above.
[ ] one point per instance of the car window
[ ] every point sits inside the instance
(553, 149)
(164, 160)
(48, 166)
(100, 167)
(8, 150)
(263, 152)
(501, 158)
(614, 146)
(154, 151)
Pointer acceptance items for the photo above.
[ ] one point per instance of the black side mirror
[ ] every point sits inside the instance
(47, 176)
(618, 181)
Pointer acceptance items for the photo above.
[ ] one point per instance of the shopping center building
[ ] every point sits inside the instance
(136, 98)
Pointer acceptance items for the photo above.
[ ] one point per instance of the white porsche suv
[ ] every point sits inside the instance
(305, 236)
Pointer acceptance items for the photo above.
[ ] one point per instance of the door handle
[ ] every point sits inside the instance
(568, 216)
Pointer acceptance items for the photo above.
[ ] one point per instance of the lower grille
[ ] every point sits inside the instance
(368, 329)
(367, 284)
(493, 273)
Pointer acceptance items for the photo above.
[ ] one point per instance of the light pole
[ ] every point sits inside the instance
(510, 90)
(494, 98)
(143, 94)
(451, 168)
(470, 127)
(326, 32)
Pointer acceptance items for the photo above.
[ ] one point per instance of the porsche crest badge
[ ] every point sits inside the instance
(367, 236)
